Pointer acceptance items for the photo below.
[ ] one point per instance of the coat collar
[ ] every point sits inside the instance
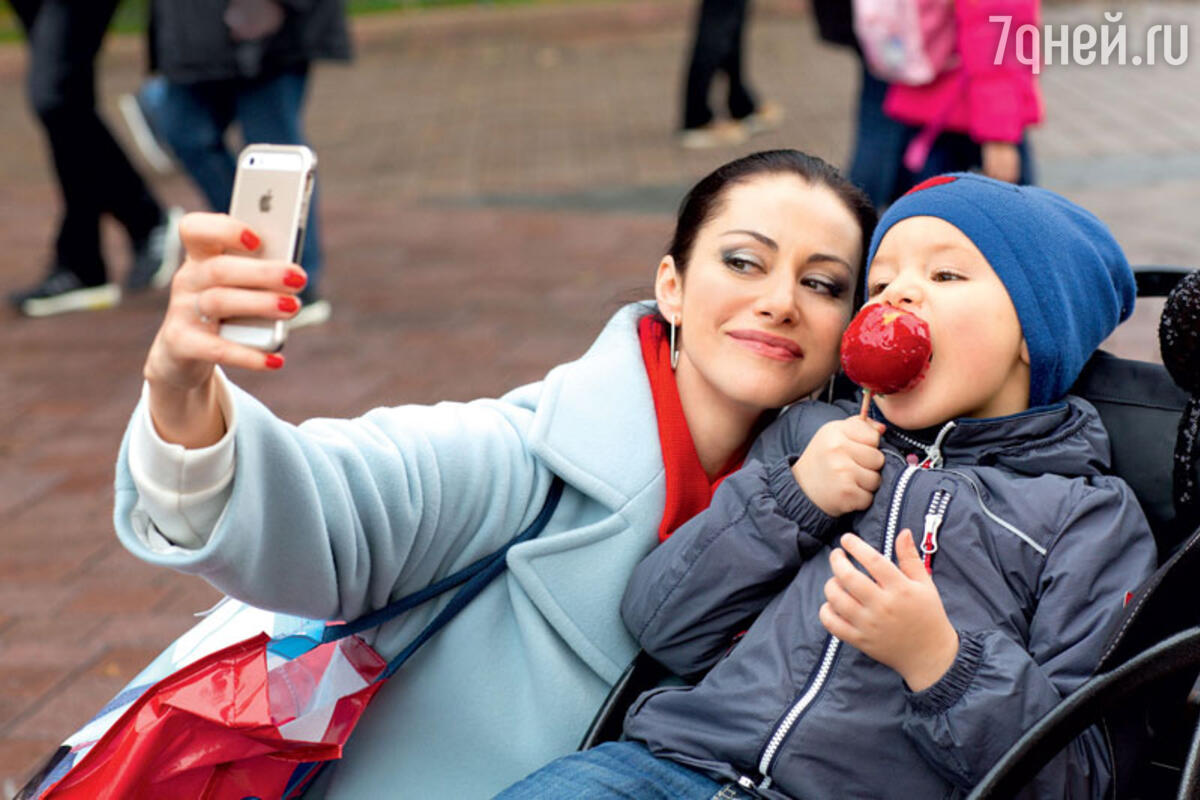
(595, 425)
(1066, 438)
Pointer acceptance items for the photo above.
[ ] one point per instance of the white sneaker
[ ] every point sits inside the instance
(316, 312)
(62, 291)
(157, 257)
(172, 256)
(766, 117)
(718, 133)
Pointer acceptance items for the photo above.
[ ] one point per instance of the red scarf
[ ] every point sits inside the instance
(688, 489)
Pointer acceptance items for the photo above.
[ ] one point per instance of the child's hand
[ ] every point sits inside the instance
(839, 470)
(897, 618)
(1002, 161)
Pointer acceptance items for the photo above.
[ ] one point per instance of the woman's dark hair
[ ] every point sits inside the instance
(703, 201)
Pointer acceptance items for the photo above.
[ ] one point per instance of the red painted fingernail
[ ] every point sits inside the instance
(274, 361)
(288, 304)
(249, 240)
(294, 279)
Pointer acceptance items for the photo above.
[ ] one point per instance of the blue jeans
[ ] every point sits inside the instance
(619, 770)
(193, 117)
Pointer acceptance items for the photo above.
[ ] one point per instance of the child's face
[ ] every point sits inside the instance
(980, 365)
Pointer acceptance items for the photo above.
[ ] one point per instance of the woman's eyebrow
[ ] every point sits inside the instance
(771, 243)
(766, 240)
(816, 257)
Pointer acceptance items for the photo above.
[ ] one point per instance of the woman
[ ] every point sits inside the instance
(758, 285)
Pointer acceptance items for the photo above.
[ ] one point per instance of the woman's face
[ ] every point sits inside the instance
(766, 295)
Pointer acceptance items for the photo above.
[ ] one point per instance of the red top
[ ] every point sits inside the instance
(688, 489)
(992, 93)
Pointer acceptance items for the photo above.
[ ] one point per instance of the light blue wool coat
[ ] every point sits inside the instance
(334, 518)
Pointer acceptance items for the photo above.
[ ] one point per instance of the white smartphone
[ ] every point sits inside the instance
(271, 190)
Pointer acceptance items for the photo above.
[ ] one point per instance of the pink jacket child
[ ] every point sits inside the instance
(990, 98)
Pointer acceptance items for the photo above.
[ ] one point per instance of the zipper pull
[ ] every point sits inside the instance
(933, 523)
(933, 453)
(929, 544)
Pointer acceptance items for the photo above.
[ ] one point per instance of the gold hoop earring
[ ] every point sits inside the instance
(674, 349)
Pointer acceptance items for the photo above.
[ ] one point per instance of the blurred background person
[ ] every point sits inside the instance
(972, 115)
(717, 47)
(243, 61)
(94, 175)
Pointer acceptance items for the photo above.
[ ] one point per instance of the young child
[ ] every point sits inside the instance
(830, 669)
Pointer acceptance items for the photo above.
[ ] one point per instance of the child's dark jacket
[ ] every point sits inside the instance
(1036, 551)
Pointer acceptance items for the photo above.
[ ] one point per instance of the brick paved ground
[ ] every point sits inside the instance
(495, 182)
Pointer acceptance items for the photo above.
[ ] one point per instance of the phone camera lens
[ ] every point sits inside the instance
(252, 161)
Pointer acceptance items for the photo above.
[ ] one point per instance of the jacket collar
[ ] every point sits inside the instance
(595, 425)
(1066, 438)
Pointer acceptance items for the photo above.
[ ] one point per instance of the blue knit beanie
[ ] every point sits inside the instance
(1066, 275)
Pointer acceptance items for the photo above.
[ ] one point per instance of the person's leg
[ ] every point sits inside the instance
(741, 100)
(63, 41)
(271, 110)
(26, 11)
(193, 119)
(93, 173)
(710, 46)
(1028, 172)
(877, 160)
(617, 770)
(93, 168)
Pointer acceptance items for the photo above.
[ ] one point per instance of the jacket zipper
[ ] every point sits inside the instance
(933, 522)
(831, 649)
(933, 452)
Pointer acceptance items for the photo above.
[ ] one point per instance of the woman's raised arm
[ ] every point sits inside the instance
(219, 279)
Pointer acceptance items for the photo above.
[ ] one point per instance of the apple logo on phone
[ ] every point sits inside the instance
(264, 202)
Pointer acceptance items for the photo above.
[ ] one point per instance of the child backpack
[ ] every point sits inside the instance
(906, 41)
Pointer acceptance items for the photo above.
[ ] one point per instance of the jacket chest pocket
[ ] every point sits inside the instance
(980, 567)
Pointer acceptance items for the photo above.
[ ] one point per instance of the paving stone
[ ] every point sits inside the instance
(21, 686)
(19, 757)
(63, 711)
(111, 597)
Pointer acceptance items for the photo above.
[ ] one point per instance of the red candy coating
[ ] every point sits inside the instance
(886, 350)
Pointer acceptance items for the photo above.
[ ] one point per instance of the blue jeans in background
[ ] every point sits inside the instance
(194, 117)
(619, 770)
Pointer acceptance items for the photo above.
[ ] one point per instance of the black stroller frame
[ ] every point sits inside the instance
(1145, 693)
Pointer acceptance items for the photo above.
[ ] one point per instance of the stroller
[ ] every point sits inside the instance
(1146, 691)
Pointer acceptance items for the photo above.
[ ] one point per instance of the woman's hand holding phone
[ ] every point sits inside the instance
(220, 278)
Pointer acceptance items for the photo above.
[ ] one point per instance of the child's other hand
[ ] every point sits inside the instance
(894, 615)
(1002, 161)
(839, 470)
